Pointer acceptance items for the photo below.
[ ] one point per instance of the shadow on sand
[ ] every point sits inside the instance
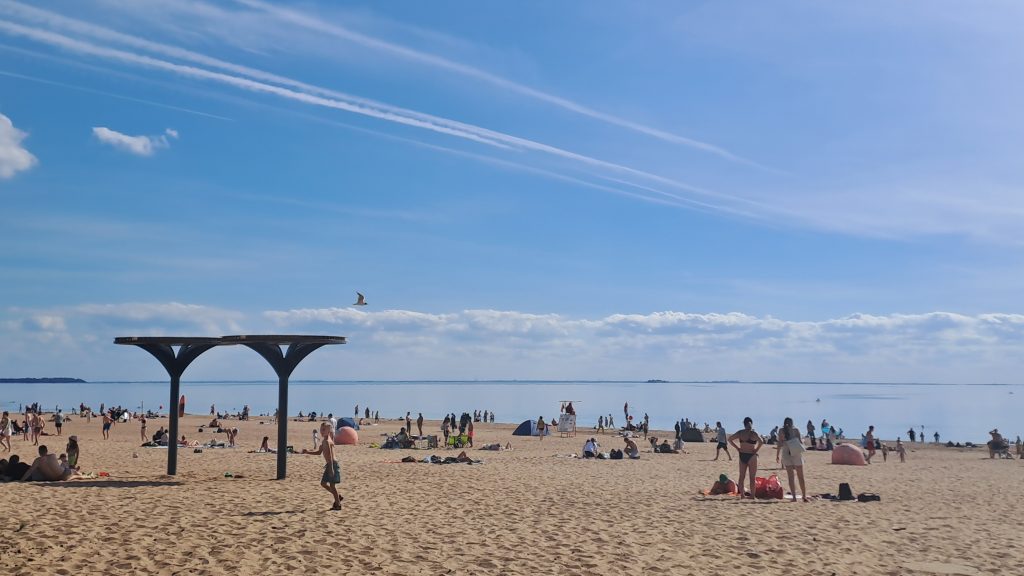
(109, 483)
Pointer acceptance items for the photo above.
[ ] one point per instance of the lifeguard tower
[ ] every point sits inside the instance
(567, 418)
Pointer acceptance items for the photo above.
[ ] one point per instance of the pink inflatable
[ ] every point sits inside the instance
(346, 435)
(848, 454)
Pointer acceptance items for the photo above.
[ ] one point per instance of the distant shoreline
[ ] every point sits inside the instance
(42, 381)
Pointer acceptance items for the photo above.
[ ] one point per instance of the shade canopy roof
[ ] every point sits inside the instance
(226, 340)
(266, 345)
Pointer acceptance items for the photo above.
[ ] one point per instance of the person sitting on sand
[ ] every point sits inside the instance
(631, 450)
(215, 423)
(16, 469)
(403, 439)
(46, 468)
(997, 443)
(590, 448)
(723, 486)
(265, 446)
(664, 448)
(188, 444)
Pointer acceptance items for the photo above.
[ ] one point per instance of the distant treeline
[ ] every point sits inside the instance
(40, 380)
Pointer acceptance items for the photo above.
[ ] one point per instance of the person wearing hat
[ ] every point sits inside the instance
(723, 486)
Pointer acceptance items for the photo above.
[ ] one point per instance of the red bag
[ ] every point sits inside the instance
(767, 488)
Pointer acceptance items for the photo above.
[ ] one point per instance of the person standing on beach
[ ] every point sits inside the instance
(37, 428)
(912, 433)
(869, 439)
(58, 421)
(625, 410)
(600, 424)
(408, 422)
(332, 471)
(419, 424)
(721, 438)
(357, 411)
(6, 431)
(142, 427)
(107, 423)
(791, 450)
(749, 442)
(810, 431)
(540, 427)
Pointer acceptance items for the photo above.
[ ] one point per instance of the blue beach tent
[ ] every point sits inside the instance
(529, 428)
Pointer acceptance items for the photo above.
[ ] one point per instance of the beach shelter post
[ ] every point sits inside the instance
(283, 363)
(162, 348)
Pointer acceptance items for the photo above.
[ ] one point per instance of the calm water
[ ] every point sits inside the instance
(957, 412)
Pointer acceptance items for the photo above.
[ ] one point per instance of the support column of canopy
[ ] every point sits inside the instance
(283, 363)
(175, 363)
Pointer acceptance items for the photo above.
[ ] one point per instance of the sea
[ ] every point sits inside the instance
(958, 412)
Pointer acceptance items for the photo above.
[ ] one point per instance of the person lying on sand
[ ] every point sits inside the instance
(46, 468)
(723, 486)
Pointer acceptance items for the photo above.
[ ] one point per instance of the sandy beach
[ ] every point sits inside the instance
(532, 510)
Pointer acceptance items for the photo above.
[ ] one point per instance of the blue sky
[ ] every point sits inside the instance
(530, 190)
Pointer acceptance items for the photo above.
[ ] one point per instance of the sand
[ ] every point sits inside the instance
(528, 511)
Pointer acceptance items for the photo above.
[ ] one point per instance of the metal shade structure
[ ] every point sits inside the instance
(283, 361)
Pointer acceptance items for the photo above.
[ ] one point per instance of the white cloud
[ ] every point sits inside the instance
(496, 344)
(138, 145)
(14, 157)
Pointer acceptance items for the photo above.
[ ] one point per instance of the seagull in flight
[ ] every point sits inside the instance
(360, 300)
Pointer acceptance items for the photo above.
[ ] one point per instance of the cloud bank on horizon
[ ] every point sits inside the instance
(494, 344)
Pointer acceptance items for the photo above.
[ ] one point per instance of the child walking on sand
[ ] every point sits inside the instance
(332, 470)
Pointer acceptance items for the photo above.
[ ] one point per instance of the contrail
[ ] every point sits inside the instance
(101, 33)
(310, 23)
(341, 101)
(112, 95)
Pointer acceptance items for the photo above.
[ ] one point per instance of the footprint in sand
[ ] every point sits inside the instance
(941, 568)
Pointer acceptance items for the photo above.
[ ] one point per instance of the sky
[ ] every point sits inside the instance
(530, 190)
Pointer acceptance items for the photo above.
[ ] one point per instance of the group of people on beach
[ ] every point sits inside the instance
(47, 467)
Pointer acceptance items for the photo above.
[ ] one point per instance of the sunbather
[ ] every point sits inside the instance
(47, 468)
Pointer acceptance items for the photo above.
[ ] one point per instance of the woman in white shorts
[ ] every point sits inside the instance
(790, 448)
(6, 431)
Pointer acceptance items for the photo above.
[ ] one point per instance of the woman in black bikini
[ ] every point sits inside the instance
(747, 442)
